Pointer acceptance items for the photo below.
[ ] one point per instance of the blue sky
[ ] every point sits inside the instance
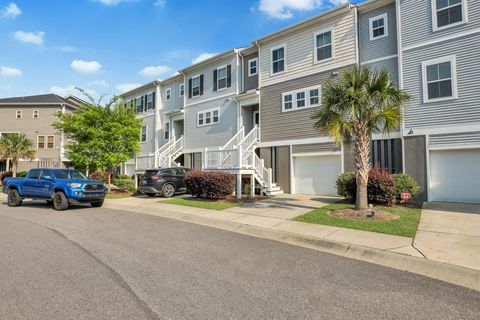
(108, 46)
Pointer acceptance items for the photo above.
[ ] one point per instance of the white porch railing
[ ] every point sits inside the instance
(222, 159)
(235, 141)
(250, 139)
(145, 162)
(168, 153)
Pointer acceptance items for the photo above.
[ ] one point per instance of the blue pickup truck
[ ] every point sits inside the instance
(60, 187)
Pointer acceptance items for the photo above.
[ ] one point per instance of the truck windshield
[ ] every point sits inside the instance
(69, 175)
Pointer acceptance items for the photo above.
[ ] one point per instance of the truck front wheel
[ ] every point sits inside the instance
(14, 199)
(60, 201)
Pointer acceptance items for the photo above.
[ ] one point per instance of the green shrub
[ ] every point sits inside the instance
(210, 184)
(347, 185)
(124, 183)
(381, 187)
(22, 174)
(99, 176)
(405, 183)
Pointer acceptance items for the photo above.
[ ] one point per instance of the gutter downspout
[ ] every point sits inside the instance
(400, 76)
(237, 89)
(357, 31)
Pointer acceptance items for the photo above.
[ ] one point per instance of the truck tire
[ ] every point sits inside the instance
(14, 199)
(97, 204)
(60, 201)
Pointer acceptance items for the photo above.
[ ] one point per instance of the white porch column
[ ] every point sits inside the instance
(239, 186)
(252, 186)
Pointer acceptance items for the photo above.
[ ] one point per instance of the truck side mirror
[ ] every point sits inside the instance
(47, 178)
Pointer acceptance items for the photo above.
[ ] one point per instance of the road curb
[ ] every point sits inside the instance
(461, 276)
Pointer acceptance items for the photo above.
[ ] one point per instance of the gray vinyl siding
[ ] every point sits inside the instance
(214, 135)
(315, 147)
(300, 46)
(390, 64)
(382, 47)
(207, 71)
(454, 139)
(250, 83)
(176, 102)
(148, 146)
(277, 125)
(416, 20)
(463, 110)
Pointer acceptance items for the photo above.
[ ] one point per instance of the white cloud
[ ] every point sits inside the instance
(203, 56)
(9, 72)
(338, 2)
(86, 66)
(114, 2)
(124, 87)
(99, 83)
(283, 9)
(72, 90)
(30, 37)
(11, 11)
(155, 71)
(160, 3)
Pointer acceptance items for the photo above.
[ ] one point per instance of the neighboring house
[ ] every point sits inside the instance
(34, 116)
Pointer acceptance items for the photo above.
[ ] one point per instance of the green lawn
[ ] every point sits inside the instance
(405, 226)
(206, 204)
(117, 195)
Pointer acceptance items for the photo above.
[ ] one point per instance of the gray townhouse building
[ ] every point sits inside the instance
(247, 111)
(34, 116)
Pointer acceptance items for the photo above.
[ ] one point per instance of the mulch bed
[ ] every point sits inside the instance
(364, 215)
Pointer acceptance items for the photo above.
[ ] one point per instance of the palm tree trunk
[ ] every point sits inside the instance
(361, 149)
(14, 169)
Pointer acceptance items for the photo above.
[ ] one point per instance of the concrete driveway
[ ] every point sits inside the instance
(450, 232)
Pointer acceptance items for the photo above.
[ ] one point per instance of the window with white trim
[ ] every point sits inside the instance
(150, 105)
(301, 99)
(323, 45)
(143, 134)
(182, 89)
(252, 67)
(208, 117)
(278, 59)
(222, 78)
(50, 142)
(196, 86)
(18, 114)
(166, 132)
(378, 27)
(45, 142)
(439, 79)
(36, 114)
(448, 13)
(169, 94)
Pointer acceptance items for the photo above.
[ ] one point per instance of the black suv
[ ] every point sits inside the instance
(164, 181)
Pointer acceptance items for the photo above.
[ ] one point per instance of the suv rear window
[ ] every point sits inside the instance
(150, 173)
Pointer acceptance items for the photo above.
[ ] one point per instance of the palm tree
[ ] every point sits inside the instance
(16, 146)
(361, 103)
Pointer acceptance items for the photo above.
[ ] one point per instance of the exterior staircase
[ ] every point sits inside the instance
(167, 154)
(239, 154)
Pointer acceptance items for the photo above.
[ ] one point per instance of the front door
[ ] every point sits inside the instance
(256, 118)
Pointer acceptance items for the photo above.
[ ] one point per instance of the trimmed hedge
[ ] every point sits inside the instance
(124, 183)
(381, 187)
(210, 184)
(405, 183)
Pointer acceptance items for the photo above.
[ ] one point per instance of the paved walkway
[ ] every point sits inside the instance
(450, 232)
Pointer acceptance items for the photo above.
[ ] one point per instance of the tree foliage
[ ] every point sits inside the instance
(16, 146)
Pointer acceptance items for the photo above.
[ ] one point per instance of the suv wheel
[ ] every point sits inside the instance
(14, 199)
(60, 201)
(168, 190)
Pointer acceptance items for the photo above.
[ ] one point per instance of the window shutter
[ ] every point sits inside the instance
(229, 76)
(145, 99)
(141, 104)
(153, 100)
(201, 84)
(190, 88)
(215, 77)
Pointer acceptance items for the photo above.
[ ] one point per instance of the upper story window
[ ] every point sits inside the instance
(323, 45)
(208, 117)
(439, 79)
(448, 13)
(252, 67)
(139, 104)
(378, 27)
(169, 94)
(182, 89)
(150, 102)
(196, 86)
(301, 99)
(222, 78)
(45, 142)
(36, 114)
(143, 134)
(18, 114)
(278, 59)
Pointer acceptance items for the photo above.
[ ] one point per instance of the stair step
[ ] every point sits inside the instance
(275, 189)
(275, 193)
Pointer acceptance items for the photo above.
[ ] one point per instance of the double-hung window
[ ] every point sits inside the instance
(36, 114)
(40, 142)
(18, 114)
(278, 59)
(323, 45)
(45, 142)
(139, 105)
(182, 89)
(50, 142)
(222, 78)
(448, 13)
(150, 105)
(378, 27)
(166, 132)
(301, 99)
(208, 117)
(252, 67)
(196, 86)
(169, 94)
(439, 79)
(143, 134)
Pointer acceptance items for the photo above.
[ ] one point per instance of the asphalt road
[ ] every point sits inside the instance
(105, 264)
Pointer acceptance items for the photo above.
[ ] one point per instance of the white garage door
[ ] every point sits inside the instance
(455, 175)
(316, 174)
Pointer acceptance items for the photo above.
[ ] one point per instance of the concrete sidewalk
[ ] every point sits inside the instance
(260, 221)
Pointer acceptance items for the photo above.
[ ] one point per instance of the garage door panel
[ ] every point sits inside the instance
(455, 175)
(317, 174)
